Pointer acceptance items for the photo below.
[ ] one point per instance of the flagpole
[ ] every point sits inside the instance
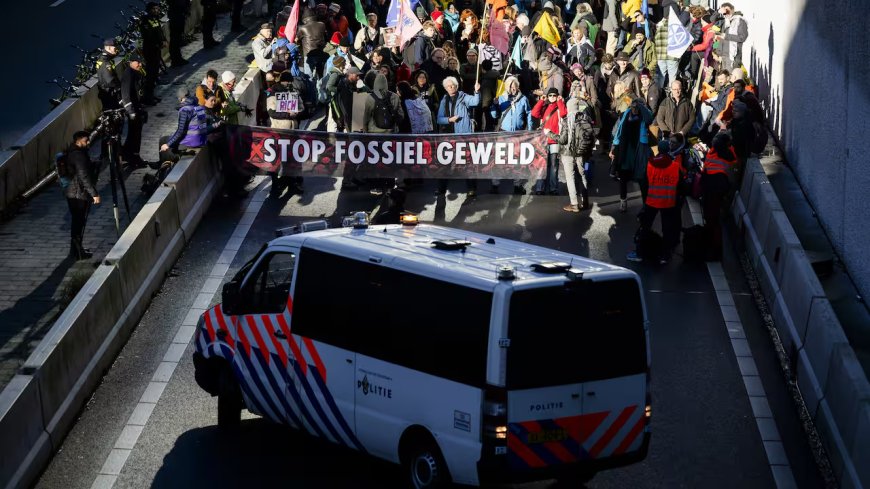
(479, 42)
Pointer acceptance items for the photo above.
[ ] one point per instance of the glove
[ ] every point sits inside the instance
(248, 112)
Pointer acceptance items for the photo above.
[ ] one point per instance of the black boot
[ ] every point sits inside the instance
(78, 251)
(584, 199)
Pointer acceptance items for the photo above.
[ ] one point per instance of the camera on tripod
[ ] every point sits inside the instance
(110, 124)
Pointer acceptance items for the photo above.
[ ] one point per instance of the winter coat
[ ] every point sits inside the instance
(550, 76)
(674, 117)
(654, 97)
(630, 77)
(644, 56)
(367, 40)
(419, 115)
(381, 91)
(550, 114)
(283, 120)
(515, 112)
(81, 183)
(311, 36)
(566, 132)
(735, 34)
(611, 16)
(457, 106)
(583, 53)
(645, 120)
(262, 53)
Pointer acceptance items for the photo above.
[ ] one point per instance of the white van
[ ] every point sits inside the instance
(465, 357)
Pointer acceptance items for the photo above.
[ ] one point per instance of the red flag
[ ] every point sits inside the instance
(292, 22)
(498, 35)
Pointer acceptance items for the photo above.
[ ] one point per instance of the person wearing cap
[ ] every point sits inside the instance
(285, 119)
(664, 173)
(369, 37)
(550, 110)
(382, 114)
(468, 70)
(312, 37)
(641, 51)
(178, 10)
(262, 48)
(335, 121)
(734, 34)
(108, 83)
(442, 27)
(229, 108)
(131, 81)
(153, 42)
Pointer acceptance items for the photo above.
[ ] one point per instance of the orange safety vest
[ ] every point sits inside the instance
(663, 181)
(713, 163)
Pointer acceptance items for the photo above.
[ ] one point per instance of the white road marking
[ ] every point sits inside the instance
(129, 436)
(58, 2)
(773, 447)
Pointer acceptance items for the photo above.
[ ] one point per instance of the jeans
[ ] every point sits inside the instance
(550, 183)
(669, 69)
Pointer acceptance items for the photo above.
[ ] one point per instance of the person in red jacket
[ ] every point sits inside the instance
(700, 50)
(718, 183)
(550, 111)
(664, 174)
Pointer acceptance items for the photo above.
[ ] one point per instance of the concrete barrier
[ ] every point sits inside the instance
(247, 93)
(38, 408)
(832, 382)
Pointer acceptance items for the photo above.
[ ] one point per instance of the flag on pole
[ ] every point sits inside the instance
(393, 13)
(408, 24)
(547, 29)
(679, 38)
(293, 22)
(360, 14)
(498, 35)
(517, 53)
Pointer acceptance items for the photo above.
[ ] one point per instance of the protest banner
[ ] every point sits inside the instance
(314, 153)
(288, 102)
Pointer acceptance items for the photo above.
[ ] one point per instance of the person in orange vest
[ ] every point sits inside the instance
(664, 174)
(718, 182)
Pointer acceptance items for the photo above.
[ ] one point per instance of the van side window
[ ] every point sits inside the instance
(417, 322)
(268, 289)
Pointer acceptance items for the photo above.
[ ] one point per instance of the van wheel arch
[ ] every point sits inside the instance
(417, 447)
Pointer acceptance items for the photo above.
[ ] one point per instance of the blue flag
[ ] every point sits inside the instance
(645, 9)
(679, 38)
(393, 11)
(517, 53)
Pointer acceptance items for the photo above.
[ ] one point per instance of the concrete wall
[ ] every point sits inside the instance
(811, 60)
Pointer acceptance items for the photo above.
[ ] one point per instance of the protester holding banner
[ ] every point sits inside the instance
(512, 112)
(454, 116)
(550, 111)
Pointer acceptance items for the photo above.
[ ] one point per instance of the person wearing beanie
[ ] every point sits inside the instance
(230, 108)
(341, 52)
(549, 111)
(650, 92)
(550, 76)
(262, 48)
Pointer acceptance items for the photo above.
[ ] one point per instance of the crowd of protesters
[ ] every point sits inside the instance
(594, 77)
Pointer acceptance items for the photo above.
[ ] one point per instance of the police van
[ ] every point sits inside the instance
(464, 357)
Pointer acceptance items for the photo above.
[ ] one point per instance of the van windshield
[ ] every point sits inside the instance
(577, 332)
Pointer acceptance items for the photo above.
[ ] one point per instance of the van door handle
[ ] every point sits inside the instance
(280, 335)
(591, 393)
(575, 396)
(348, 360)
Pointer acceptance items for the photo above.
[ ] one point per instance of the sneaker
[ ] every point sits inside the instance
(633, 256)
(623, 205)
(571, 208)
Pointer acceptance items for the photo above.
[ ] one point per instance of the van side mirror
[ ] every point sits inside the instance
(230, 297)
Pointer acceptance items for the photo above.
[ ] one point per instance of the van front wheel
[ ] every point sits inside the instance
(229, 400)
(427, 468)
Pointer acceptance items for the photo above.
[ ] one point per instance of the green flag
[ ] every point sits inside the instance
(360, 13)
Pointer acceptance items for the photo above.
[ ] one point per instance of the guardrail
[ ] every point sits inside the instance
(39, 406)
(832, 382)
(33, 157)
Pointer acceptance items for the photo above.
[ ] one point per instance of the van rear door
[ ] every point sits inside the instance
(576, 372)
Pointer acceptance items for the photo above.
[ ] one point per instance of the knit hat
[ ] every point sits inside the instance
(336, 37)
(645, 72)
(282, 30)
(576, 66)
(334, 7)
(228, 76)
(265, 25)
(522, 20)
(471, 51)
(339, 62)
(526, 31)
(285, 77)
(436, 15)
(549, 5)
(345, 42)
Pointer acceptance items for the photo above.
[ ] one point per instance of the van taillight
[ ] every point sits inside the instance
(495, 428)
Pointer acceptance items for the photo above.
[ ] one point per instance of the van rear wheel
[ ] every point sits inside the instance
(229, 400)
(426, 467)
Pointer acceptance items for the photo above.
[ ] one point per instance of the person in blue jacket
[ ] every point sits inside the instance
(513, 113)
(454, 118)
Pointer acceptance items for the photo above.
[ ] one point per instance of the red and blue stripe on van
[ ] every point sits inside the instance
(543, 443)
(280, 384)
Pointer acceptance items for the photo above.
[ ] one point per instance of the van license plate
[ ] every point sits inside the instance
(547, 436)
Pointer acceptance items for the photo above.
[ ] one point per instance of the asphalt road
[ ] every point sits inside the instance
(36, 40)
(703, 430)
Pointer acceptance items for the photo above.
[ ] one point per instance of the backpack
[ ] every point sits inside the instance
(383, 114)
(323, 95)
(65, 172)
(582, 135)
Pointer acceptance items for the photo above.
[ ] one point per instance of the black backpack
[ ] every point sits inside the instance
(582, 134)
(383, 113)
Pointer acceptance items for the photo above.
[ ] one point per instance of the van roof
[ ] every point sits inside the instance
(410, 247)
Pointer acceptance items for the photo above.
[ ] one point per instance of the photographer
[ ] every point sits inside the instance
(130, 83)
(80, 192)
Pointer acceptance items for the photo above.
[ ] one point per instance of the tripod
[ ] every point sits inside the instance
(109, 126)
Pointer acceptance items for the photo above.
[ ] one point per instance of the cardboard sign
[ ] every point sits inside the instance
(390, 36)
(288, 102)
